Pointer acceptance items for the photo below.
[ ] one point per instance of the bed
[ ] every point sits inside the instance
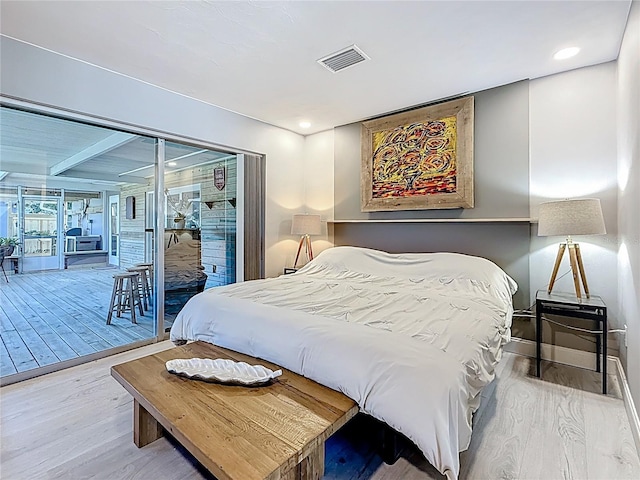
(412, 338)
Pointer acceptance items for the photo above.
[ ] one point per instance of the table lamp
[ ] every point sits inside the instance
(305, 225)
(571, 217)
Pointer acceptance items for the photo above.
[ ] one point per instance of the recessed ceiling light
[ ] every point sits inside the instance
(305, 124)
(172, 164)
(566, 53)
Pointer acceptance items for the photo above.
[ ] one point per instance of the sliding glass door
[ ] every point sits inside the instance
(76, 242)
(101, 215)
(200, 195)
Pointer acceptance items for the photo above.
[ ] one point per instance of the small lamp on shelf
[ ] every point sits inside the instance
(571, 217)
(305, 225)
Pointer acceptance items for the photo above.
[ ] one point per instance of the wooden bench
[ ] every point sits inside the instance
(276, 431)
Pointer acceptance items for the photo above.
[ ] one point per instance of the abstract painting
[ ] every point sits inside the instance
(421, 159)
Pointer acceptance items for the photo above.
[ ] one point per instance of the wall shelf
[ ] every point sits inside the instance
(210, 203)
(437, 220)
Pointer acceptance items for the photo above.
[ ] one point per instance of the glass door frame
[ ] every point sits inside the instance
(109, 243)
(158, 241)
(59, 227)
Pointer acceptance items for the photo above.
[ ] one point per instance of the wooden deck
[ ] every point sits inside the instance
(48, 317)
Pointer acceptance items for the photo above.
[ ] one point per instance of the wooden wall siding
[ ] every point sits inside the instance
(132, 236)
(219, 250)
(218, 223)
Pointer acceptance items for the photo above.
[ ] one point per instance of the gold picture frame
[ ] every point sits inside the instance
(419, 160)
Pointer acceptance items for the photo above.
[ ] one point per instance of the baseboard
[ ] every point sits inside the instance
(579, 358)
(554, 353)
(632, 412)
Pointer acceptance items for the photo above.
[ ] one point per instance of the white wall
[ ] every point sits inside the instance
(629, 194)
(37, 75)
(318, 183)
(573, 154)
(316, 196)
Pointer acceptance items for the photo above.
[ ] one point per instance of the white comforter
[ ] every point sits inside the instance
(412, 338)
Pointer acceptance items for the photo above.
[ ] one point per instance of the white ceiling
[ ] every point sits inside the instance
(259, 58)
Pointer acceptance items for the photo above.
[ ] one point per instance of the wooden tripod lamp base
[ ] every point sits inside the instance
(306, 241)
(577, 268)
(578, 216)
(305, 225)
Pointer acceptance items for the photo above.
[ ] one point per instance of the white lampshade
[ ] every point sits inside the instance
(304, 224)
(571, 217)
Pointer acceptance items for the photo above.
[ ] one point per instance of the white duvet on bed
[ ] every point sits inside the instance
(412, 338)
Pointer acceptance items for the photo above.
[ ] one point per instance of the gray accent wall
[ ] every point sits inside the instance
(501, 162)
(501, 169)
(506, 244)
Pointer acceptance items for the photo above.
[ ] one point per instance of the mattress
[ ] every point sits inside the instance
(412, 338)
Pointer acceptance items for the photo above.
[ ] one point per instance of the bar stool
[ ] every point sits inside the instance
(125, 296)
(149, 267)
(143, 285)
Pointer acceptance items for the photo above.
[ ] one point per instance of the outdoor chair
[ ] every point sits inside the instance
(5, 252)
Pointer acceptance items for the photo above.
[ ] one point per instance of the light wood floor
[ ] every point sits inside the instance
(77, 424)
(48, 317)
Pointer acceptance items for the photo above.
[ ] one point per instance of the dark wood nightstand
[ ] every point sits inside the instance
(567, 305)
(288, 270)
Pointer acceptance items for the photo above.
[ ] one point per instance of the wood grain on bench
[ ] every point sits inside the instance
(238, 433)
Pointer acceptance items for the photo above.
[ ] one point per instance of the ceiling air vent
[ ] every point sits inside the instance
(343, 58)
